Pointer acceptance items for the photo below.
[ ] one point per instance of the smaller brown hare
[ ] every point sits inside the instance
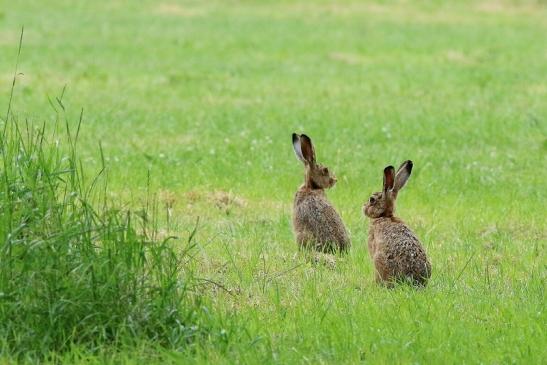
(395, 250)
(316, 223)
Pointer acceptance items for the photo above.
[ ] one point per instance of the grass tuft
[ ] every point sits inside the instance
(77, 271)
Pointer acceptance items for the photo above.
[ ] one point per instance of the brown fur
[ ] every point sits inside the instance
(395, 250)
(316, 223)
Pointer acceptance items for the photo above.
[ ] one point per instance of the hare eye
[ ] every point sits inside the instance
(325, 170)
(371, 200)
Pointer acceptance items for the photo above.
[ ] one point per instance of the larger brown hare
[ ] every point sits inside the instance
(395, 250)
(316, 223)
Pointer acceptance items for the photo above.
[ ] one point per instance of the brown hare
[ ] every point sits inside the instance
(395, 250)
(316, 223)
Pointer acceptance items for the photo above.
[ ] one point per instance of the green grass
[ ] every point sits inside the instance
(77, 271)
(194, 103)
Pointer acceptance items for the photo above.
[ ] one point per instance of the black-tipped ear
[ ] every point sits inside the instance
(389, 178)
(403, 173)
(297, 147)
(307, 149)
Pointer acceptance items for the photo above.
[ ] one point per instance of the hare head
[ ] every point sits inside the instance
(317, 175)
(382, 203)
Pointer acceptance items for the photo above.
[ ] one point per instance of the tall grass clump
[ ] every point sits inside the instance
(74, 270)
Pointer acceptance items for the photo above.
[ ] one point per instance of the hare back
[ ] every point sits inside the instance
(398, 254)
(316, 223)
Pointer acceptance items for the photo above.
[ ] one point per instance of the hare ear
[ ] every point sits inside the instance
(297, 147)
(307, 149)
(389, 178)
(403, 173)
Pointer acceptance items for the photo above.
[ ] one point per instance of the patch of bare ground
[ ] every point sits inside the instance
(222, 200)
(10, 38)
(348, 58)
(537, 89)
(510, 7)
(226, 201)
(459, 57)
(179, 10)
(402, 11)
(334, 8)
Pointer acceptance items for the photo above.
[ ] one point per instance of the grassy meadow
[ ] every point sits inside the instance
(188, 109)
